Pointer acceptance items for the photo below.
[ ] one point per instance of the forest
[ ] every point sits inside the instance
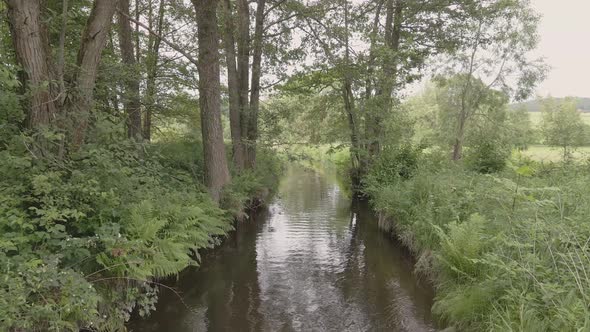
(135, 135)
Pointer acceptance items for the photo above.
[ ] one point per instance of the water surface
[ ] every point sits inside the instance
(312, 261)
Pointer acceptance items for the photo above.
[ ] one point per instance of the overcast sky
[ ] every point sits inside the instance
(565, 43)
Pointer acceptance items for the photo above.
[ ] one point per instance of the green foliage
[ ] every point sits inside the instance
(537, 104)
(298, 118)
(85, 236)
(10, 111)
(520, 129)
(510, 251)
(181, 153)
(446, 113)
(253, 187)
(394, 164)
(562, 126)
(489, 150)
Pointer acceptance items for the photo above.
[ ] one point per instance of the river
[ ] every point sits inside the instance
(312, 261)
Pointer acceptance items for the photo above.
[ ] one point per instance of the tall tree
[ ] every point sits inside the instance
(216, 170)
(131, 98)
(245, 75)
(152, 60)
(388, 79)
(243, 66)
(498, 38)
(562, 126)
(372, 77)
(29, 35)
(252, 133)
(93, 41)
(233, 85)
(33, 51)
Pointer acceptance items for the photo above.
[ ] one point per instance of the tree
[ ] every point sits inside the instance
(244, 89)
(131, 98)
(29, 35)
(398, 37)
(252, 132)
(562, 125)
(216, 170)
(233, 86)
(152, 62)
(482, 114)
(521, 129)
(499, 36)
(34, 54)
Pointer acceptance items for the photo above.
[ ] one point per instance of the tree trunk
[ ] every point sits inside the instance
(458, 145)
(355, 148)
(29, 36)
(233, 87)
(348, 97)
(384, 94)
(216, 171)
(131, 79)
(89, 55)
(137, 45)
(34, 55)
(255, 84)
(369, 90)
(243, 67)
(466, 106)
(152, 60)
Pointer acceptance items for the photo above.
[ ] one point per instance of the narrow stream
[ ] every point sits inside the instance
(311, 261)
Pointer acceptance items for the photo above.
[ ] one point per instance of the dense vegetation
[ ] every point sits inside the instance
(506, 251)
(132, 133)
(112, 176)
(503, 238)
(86, 237)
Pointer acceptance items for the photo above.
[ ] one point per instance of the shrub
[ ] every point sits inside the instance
(394, 164)
(84, 237)
(487, 157)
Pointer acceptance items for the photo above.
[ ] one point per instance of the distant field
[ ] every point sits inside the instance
(546, 153)
(536, 117)
(549, 154)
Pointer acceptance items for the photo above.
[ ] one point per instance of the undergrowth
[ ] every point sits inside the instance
(506, 251)
(86, 237)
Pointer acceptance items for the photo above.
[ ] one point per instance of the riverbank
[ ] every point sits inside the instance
(313, 260)
(86, 238)
(506, 251)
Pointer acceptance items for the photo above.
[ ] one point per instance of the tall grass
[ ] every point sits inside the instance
(507, 252)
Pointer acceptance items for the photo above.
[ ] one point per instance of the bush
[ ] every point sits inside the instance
(487, 157)
(393, 165)
(84, 237)
(252, 187)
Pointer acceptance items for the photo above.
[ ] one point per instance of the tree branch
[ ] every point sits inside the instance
(169, 43)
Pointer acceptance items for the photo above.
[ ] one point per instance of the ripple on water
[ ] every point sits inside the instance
(306, 264)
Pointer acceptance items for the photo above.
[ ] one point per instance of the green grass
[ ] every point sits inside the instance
(506, 251)
(537, 117)
(545, 153)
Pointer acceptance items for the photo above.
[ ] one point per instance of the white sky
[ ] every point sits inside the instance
(565, 43)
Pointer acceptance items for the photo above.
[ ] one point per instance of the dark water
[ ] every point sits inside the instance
(312, 261)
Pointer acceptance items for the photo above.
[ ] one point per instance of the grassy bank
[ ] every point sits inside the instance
(86, 238)
(506, 252)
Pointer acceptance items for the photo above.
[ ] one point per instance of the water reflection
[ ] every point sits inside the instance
(311, 262)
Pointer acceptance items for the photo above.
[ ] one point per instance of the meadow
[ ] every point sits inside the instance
(537, 117)
(544, 153)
